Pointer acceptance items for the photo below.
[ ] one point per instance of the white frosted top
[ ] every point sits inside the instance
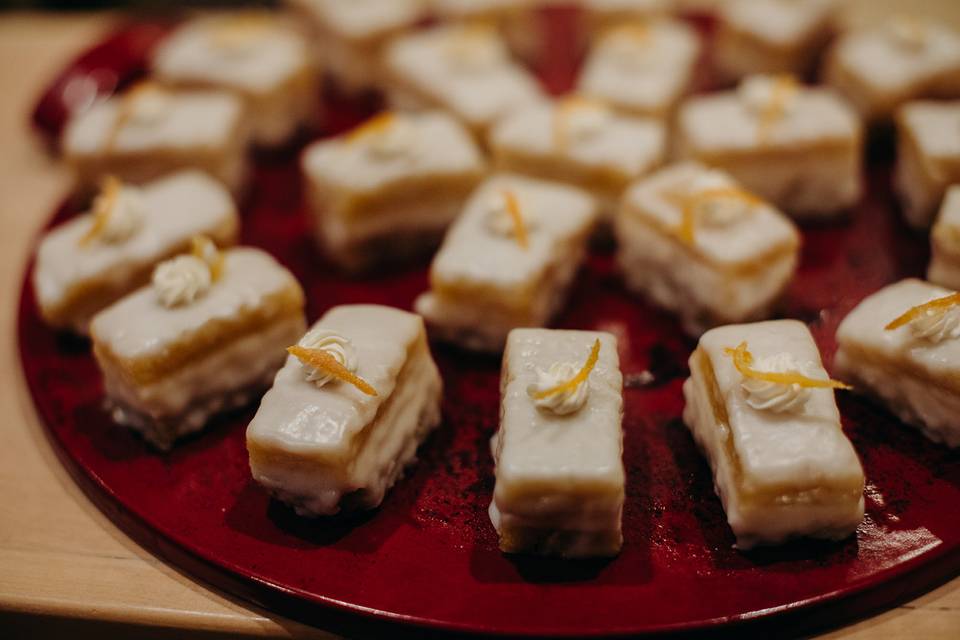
(175, 209)
(470, 8)
(756, 233)
(257, 58)
(646, 73)
(625, 145)
(950, 211)
(473, 254)
(801, 448)
(874, 55)
(536, 445)
(722, 122)
(364, 19)
(187, 120)
(436, 145)
(864, 329)
(139, 326)
(935, 126)
(778, 22)
(641, 7)
(299, 417)
(432, 62)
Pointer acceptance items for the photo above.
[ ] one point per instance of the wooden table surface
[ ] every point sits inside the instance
(64, 567)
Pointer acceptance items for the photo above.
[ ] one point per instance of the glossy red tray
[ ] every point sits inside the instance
(428, 558)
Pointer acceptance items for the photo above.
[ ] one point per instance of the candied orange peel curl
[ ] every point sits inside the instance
(743, 361)
(938, 307)
(204, 248)
(103, 208)
(690, 205)
(512, 205)
(320, 359)
(376, 125)
(576, 380)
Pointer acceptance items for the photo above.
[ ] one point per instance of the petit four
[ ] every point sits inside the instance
(902, 345)
(641, 68)
(700, 245)
(464, 68)
(390, 187)
(93, 260)
(798, 147)
(762, 409)
(579, 141)
(600, 14)
(346, 413)
(207, 335)
(878, 68)
(349, 36)
(517, 20)
(508, 261)
(255, 54)
(150, 130)
(771, 36)
(928, 157)
(559, 474)
(945, 243)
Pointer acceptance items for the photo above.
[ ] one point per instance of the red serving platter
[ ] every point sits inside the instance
(427, 559)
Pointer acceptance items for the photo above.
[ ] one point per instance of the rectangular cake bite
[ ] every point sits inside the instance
(508, 261)
(762, 409)
(93, 260)
(945, 243)
(641, 68)
(149, 131)
(389, 188)
(258, 55)
(798, 147)
(581, 142)
(697, 243)
(771, 36)
(463, 68)
(880, 67)
(346, 413)
(206, 336)
(349, 36)
(902, 345)
(928, 157)
(559, 474)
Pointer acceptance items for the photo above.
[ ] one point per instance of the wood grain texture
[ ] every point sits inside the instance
(64, 568)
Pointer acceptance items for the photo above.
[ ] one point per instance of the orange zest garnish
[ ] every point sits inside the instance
(576, 380)
(690, 204)
(785, 87)
(743, 361)
(938, 306)
(516, 215)
(564, 112)
(374, 126)
(103, 209)
(319, 359)
(127, 108)
(204, 248)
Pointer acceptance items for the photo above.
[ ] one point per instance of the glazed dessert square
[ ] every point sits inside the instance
(349, 36)
(695, 242)
(389, 188)
(762, 409)
(346, 413)
(945, 243)
(258, 55)
(93, 260)
(150, 131)
(206, 336)
(798, 147)
(771, 36)
(878, 68)
(581, 142)
(902, 345)
(928, 157)
(558, 453)
(508, 261)
(465, 69)
(641, 68)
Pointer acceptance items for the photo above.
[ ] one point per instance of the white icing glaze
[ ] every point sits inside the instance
(783, 23)
(937, 326)
(717, 211)
(398, 141)
(475, 50)
(772, 396)
(181, 280)
(337, 346)
(148, 107)
(759, 93)
(363, 20)
(564, 402)
(908, 32)
(499, 220)
(935, 127)
(124, 217)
